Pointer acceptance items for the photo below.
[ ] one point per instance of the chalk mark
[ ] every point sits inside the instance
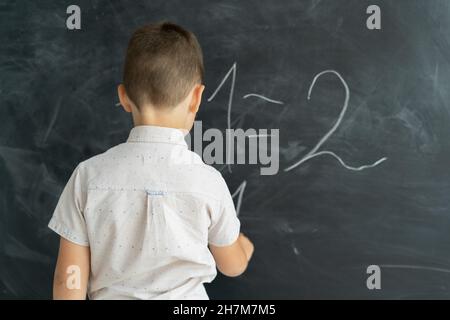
(232, 71)
(313, 152)
(414, 267)
(334, 155)
(52, 122)
(240, 192)
(259, 135)
(262, 97)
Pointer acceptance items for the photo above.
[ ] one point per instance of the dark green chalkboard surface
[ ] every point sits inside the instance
(364, 173)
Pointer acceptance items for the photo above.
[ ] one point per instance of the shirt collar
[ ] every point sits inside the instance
(157, 134)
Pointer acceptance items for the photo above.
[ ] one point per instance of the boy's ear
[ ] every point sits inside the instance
(123, 98)
(196, 98)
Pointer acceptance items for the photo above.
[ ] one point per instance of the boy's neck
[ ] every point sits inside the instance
(159, 119)
(167, 124)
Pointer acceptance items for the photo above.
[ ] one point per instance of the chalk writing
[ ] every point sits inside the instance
(313, 152)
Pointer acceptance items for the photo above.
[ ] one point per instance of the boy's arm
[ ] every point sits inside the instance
(72, 271)
(232, 260)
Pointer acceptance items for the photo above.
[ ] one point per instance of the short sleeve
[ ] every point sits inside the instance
(225, 225)
(68, 219)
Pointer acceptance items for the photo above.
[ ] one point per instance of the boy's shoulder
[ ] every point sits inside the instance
(188, 164)
(97, 160)
(187, 158)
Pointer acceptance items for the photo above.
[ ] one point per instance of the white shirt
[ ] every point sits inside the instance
(147, 209)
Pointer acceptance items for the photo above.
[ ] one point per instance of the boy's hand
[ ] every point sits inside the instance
(247, 246)
(232, 260)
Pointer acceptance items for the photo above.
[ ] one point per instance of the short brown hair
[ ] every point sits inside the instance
(163, 62)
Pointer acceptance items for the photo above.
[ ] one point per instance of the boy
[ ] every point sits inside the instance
(136, 221)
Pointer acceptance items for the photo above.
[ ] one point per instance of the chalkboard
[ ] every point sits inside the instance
(318, 226)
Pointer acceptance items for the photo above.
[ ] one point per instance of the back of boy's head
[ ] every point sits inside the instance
(163, 63)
